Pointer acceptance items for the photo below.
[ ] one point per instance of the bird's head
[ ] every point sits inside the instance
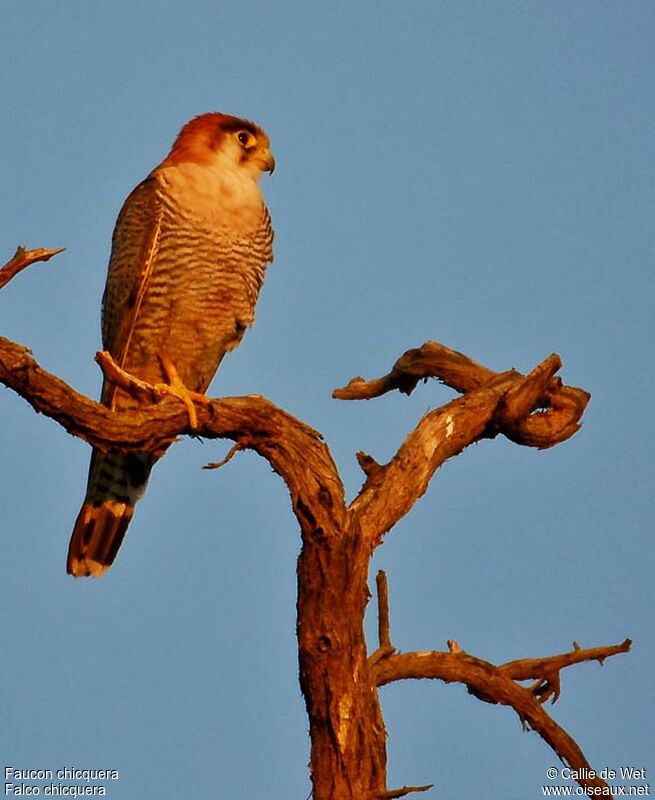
(221, 140)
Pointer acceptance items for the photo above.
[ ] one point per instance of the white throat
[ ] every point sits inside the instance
(221, 193)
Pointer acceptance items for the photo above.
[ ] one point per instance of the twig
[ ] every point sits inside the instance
(392, 793)
(369, 465)
(385, 648)
(232, 452)
(23, 258)
(546, 671)
(384, 634)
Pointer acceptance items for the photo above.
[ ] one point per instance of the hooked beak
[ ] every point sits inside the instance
(268, 163)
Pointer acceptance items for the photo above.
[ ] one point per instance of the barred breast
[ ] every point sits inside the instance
(205, 272)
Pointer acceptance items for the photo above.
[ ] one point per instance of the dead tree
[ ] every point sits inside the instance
(338, 676)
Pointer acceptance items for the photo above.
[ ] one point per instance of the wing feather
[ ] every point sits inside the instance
(135, 244)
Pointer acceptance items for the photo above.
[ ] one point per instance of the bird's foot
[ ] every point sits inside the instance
(176, 388)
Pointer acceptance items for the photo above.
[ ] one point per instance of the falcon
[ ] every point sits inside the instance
(189, 252)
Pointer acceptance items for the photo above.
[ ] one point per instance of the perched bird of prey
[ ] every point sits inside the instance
(189, 252)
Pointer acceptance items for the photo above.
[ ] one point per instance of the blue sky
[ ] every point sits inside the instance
(476, 173)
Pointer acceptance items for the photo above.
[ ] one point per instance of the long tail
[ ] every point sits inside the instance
(115, 484)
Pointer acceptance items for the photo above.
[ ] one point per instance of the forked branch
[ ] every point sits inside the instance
(495, 684)
(537, 412)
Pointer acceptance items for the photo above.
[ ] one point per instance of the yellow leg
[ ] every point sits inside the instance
(176, 388)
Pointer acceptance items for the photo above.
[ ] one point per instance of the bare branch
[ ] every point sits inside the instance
(23, 258)
(391, 490)
(493, 684)
(431, 360)
(384, 634)
(294, 450)
(546, 671)
(520, 419)
(562, 406)
(527, 668)
(504, 403)
(369, 465)
(392, 793)
(385, 648)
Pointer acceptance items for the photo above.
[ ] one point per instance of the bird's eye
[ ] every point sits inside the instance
(245, 138)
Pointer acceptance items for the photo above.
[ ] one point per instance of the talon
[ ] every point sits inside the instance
(176, 388)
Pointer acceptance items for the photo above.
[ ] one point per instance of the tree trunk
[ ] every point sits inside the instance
(348, 748)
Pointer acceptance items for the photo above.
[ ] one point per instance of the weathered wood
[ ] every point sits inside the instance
(338, 679)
